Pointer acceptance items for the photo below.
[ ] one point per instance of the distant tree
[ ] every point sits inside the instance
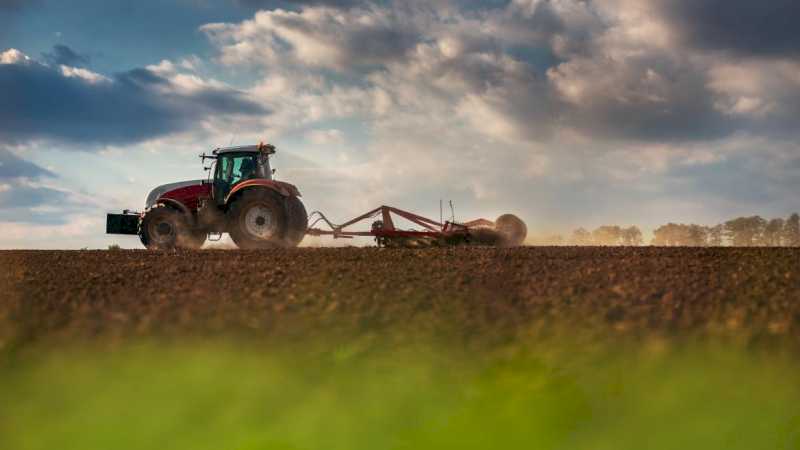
(672, 234)
(581, 237)
(715, 235)
(696, 235)
(791, 231)
(607, 235)
(664, 235)
(745, 231)
(632, 236)
(773, 233)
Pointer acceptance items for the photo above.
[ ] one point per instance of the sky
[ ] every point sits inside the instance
(567, 113)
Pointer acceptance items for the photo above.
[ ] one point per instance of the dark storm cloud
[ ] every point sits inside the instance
(546, 20)
(572, 24)
(62, 54)
(380, 44)
(40, 102)
(759, 28)
(650, 98)
(12, 166)
(360, 44)
(138, 78)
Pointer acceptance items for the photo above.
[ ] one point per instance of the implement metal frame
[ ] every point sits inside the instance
(384, 230)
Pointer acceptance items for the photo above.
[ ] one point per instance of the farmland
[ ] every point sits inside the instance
(536, 347)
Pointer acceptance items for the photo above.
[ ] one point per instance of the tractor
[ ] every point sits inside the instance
(242, 200)
(260, 212)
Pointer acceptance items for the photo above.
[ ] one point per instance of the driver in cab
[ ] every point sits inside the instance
(247, 170)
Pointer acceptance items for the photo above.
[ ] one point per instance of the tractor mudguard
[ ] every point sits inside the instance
(285, 189)
(175, 204)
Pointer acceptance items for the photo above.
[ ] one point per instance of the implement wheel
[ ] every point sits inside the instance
(512, 228)
(297, 222)
(258, 219)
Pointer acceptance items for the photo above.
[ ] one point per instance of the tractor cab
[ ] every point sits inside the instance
(235, 165)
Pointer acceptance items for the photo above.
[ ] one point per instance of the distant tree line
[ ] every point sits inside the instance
(753, 231)
(608, 235)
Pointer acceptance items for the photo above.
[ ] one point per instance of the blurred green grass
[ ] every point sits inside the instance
(360, 394)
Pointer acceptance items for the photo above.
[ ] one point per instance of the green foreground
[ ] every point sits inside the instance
(360, 394)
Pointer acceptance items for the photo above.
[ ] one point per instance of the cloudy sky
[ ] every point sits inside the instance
(567, 112)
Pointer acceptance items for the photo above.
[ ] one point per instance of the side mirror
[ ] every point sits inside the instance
(274, 170)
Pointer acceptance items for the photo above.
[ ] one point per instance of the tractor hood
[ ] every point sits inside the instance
(156, 193)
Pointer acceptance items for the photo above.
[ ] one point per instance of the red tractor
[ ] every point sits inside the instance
(242, 200)
(257, 211)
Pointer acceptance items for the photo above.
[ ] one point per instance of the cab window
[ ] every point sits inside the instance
(232, 169)
(237, 168)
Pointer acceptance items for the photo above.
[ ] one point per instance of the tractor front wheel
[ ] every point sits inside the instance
(257, 219)
(164, 228)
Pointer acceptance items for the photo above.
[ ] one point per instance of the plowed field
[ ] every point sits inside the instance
(753, 293)
(365, 348)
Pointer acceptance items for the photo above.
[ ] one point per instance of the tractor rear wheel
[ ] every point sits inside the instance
(163, 228)
(512, 228)
(298, 221)
(257, 219)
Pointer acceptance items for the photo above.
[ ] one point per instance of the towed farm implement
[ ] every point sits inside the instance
(243, 200)
(507, 230)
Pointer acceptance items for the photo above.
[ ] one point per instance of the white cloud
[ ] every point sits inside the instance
(756, 88)
(13, 56)
(85, 74)
(314, 37)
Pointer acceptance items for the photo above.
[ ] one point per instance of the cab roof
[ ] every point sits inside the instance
(244, 149)
(239, 149)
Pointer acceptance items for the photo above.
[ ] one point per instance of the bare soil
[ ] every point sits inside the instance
(750, 293)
